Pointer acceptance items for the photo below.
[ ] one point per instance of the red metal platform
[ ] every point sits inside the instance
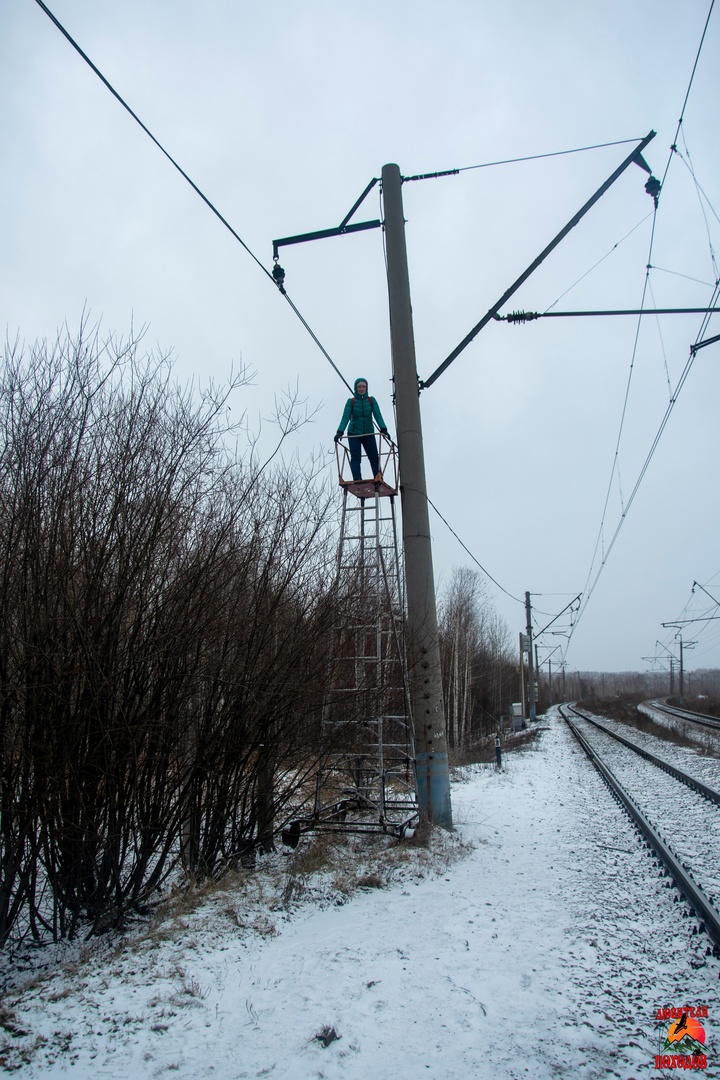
(368, 489)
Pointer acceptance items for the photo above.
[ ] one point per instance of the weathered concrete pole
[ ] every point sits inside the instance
(431, 758)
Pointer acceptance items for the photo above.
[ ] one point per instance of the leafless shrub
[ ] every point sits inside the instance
(165, 606)
(326, 1035)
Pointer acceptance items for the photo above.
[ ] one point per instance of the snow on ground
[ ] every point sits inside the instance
(537, 941)
(707, 738)
(700, 760)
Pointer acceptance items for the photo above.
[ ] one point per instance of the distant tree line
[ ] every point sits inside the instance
(582, 685)
(479, 664)
(166, 614)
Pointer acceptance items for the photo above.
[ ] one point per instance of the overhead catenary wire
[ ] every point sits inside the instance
(444, 520)
(317, 341)
(587, 592)
(211, 206)
(646, 464)
(689, 88)
(590, 588)
(239, 238)
(147, 131)
(562, 612)
(704, 630)
(635, 157)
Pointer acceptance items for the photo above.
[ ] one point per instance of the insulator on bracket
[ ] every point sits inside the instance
(653, 188)
(279, 276)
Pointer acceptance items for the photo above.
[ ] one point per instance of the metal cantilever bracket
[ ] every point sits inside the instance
(343, 227)
(321, 234)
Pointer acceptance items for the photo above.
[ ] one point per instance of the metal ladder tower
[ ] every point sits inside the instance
(366, 780)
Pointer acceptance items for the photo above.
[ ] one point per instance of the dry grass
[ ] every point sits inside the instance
(315, 853)
(483, 751)
(370, 881)
(421, 835)
(9, 1023)
(710, 706)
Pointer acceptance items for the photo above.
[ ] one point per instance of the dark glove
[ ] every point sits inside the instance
(338, 436)
(383, 431)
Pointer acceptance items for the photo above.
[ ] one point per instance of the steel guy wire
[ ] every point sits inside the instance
(676, 273)
(662, 341)
(601, 260)
(687, 161)
(536, 157)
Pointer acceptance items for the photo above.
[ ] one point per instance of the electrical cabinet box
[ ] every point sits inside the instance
(518, 721)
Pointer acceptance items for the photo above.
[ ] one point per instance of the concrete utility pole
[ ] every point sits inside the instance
(682, 674)
(431, 758)
(522, 675)
(550, 697)
(531, 672)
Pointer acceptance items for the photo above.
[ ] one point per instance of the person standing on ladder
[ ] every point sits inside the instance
(360, 411)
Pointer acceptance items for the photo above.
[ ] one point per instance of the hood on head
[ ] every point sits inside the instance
(360, 378)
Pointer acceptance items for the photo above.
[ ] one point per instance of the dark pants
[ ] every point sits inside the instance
(366, 442)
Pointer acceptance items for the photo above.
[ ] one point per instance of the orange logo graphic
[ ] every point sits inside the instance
(684, 1046)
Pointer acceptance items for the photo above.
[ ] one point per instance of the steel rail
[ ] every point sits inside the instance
(702, 905)
(683, 714)
(683, 777)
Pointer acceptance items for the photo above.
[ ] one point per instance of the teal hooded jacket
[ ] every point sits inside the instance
(359, 412)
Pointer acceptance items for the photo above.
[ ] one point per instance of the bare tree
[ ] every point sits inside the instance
(478, 668)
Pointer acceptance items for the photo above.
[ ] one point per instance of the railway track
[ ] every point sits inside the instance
(681, 714)
(680, 824)
(685, 778)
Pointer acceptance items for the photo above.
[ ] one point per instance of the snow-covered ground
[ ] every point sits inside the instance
(708, 738)
(537, 941)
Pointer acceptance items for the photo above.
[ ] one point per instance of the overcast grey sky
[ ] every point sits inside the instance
(281, 113)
